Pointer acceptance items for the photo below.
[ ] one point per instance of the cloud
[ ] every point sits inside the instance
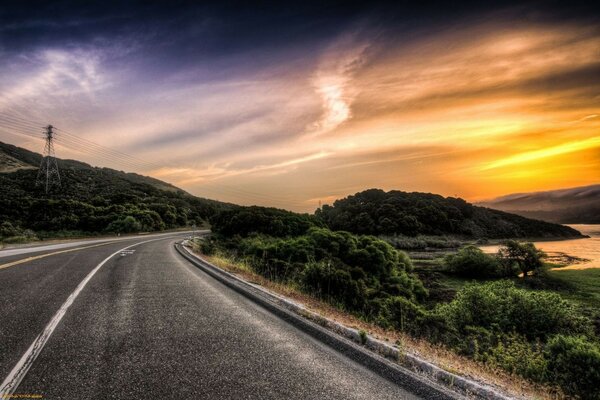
(186, 176)
(445, 109)
(565, 148)
(333, 82)
(52, 74)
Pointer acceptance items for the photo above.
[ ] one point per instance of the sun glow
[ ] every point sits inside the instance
(476, 111)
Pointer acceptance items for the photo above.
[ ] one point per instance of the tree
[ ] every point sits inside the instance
(124, 225)
(472, 262)
(525, 257)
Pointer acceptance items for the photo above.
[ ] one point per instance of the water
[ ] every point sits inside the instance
(569, 251)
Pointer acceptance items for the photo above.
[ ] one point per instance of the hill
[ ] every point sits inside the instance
(580, 205)
(377, 212)
(90, 200)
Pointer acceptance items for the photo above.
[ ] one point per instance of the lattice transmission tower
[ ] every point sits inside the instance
(48, 174)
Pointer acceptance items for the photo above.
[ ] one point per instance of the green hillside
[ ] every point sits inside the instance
(90, 200)
(377, 212)
(94, 200)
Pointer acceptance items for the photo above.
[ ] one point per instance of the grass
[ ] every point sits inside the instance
(582, 286)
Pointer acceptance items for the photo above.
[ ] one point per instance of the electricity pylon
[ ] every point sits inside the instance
(48, 174)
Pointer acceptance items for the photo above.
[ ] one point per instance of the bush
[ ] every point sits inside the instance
(574, 363)
(124, 225)
(472, 262)
(399, 313)
(205, 245)
(7, 230)
(334, 285)
(515, 354)
(244, 221)
(349, 264)
(12, 234)
(503, 307)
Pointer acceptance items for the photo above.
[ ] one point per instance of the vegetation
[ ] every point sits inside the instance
(422, 242)
(376, 212)
(523, 257)
(536, 334)
(91, 201)
(269, 221)
(582, 286)
(472, 263)
(512, 259)
(358, 273)
(504, 321)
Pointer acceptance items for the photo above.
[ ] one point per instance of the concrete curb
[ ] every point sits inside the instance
(416, 375)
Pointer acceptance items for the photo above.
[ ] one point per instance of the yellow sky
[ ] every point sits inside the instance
(475, 111)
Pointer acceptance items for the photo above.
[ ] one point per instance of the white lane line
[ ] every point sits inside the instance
(17, 374)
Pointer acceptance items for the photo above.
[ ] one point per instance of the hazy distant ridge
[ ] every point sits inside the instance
(579, 205)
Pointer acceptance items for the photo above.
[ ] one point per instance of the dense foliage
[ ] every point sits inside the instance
(472, 262)
(92, 200)
(356, 272)
(376, 212)
(535, 334)
(513, 259)
(269, 221)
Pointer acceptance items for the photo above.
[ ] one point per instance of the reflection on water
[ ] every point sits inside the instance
(588, 248)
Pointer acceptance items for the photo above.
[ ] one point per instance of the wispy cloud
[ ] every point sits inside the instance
(469, 109)
(333, 82)
(53, 74)
(529, 156)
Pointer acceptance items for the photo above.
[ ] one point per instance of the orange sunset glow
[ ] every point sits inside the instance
(474, 108)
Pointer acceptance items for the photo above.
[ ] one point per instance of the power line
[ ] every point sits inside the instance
(79, 144)
(48, 174)
(75, 145)
(13, 124)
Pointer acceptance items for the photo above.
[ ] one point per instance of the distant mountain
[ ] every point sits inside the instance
(377, 212)
(90, 200)
(580, 205)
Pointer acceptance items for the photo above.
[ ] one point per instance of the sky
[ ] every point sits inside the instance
(296, 105)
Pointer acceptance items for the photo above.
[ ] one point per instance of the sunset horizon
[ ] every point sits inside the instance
(314, 103)
(342, 200)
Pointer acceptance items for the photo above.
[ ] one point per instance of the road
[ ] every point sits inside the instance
(148, 324)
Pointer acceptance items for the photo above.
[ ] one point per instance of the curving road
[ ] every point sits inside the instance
(148, 324)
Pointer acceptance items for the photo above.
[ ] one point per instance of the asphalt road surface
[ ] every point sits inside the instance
(148, 324)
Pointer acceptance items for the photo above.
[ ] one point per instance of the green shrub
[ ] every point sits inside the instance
(205, 245)
(124, 225)
(473, 341)
(399, 313)
(472, 262)
(515, 354)
(7, 230)
(503, 307)
(574, 363)
(363, 336)
(347, 269)
(334, 285)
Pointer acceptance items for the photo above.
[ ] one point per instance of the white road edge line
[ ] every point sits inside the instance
(12, 381)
